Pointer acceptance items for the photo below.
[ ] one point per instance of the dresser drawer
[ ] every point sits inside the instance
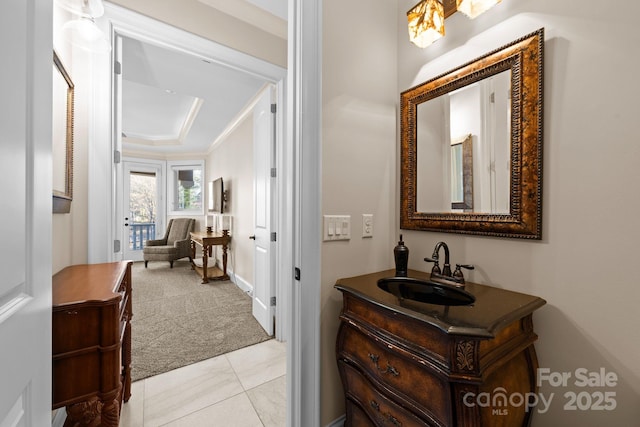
(422, 338)
(411, 378)
(376, 409)
(74, 329)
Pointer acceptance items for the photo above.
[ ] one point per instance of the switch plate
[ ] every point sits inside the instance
(336, 227)
(367, 225)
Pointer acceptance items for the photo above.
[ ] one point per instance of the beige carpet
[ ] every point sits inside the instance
(178, 321)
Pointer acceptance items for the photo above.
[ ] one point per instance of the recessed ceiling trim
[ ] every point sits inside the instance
(190, 118)
(135, 138)
(239, 118)
(154, 155)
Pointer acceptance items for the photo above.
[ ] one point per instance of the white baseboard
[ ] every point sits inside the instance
(338, 422)
(240, 282)
(59, 418)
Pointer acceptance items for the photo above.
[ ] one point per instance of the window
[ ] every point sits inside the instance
(185, 185)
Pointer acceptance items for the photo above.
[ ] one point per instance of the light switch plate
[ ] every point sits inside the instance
(336, 227)
(367, 225)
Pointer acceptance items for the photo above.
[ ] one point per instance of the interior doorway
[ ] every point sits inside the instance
(128, 26)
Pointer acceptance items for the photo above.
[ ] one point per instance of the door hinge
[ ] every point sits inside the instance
(273, 236)
(116, 157)
(273, 172)
(273, 108)
(117, 67)
(273, 301)
(492, 98)
(116, 246)
(296, 273)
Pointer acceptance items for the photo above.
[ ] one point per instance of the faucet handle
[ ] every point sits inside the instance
(436, 266)
(457, 274)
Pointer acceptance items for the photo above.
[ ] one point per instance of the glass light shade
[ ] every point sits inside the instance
(426, 22)
(85, 34)
(474, 8)
(91, 8)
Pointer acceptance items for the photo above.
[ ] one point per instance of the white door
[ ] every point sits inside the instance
(264, 253)
(25, 212)
(142, 207)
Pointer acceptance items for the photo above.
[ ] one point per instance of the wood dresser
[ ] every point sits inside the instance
(407, 363)
(92, 342)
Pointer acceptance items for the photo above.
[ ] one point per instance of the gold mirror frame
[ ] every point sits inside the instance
(62, 197)
(524, 57)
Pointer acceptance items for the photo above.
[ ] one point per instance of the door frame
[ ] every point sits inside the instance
(118, 22)
(303, 380)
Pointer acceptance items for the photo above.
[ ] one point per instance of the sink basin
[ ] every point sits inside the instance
(425, 291)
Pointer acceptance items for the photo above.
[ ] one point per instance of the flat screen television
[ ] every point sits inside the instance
(216, 196)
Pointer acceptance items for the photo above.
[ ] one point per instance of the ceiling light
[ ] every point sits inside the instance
(426, 22)
(85, 34)
(83, 31)
(91, 8)
(474, 8)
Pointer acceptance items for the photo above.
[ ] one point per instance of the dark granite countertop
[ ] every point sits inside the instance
(493, 309)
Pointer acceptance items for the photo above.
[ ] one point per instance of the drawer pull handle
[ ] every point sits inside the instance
(72, 312)
(390, 369)
(375, 405)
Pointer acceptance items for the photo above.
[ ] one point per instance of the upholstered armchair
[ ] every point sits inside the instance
(175, 244)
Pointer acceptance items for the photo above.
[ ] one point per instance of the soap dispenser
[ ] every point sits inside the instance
(401, 255)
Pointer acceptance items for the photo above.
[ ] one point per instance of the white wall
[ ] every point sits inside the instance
(583, 266)
(359, 104)
(70, 231)
(232, 159)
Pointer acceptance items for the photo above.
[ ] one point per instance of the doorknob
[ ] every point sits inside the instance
(253, 237)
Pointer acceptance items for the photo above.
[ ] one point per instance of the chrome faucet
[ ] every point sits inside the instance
(456, 278)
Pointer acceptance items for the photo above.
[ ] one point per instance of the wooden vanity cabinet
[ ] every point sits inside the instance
(91, 342)
(404, 363)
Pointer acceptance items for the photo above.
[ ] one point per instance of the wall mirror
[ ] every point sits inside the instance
(471, 146)
(62, 135)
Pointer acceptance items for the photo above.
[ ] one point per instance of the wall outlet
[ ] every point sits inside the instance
(336, 227)
(367, 225)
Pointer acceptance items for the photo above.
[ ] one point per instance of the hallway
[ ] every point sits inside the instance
(244, 388)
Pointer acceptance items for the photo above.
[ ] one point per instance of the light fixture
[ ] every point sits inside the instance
(473, 8)
(91, 8)
(85, 34)
(426, 22)
(426, 19)
(83, 31)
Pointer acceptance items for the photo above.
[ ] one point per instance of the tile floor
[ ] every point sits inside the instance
(244, 388)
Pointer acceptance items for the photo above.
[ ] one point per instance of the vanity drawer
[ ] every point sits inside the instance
(421, 387)
(375, 409)
(411, 333)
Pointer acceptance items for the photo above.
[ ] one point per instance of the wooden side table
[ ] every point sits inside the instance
(207, 240)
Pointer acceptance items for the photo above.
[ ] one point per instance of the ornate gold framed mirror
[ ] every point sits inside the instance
(492, 184)
(62, 135)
